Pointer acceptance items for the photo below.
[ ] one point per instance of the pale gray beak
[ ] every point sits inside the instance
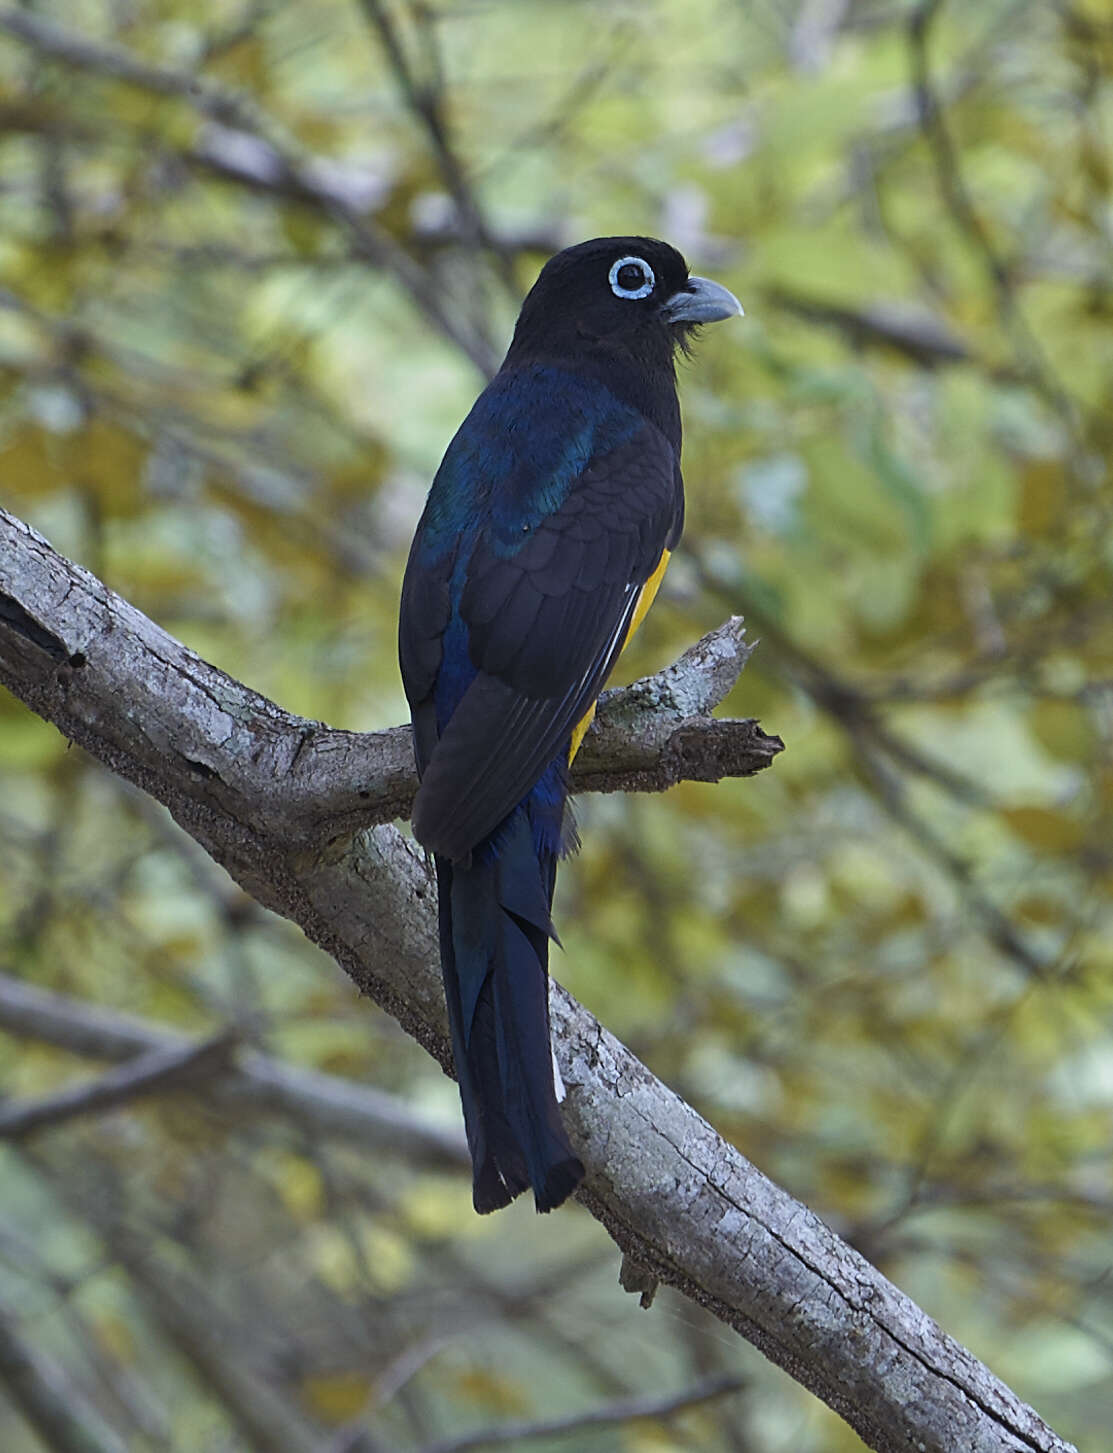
(701, 301)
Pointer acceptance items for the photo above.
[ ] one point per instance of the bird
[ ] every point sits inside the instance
(544, 538)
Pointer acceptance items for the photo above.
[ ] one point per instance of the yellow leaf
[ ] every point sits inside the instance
(1043, 497)
(1047, 828)
(1036, 908)
(107, 459)
(388, 1256)
(337, 1397)
(1065, 729)
(30, 464)
(116, 1337)
(488, 1390)
(303, 231)
(298, 1182)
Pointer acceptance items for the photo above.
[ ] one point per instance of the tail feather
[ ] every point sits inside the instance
(495, 926)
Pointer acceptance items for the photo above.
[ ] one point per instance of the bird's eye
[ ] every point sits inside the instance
(631, 277)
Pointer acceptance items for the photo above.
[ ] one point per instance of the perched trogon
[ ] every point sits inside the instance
(545, 535)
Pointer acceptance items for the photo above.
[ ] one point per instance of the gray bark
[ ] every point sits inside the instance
(285, 805)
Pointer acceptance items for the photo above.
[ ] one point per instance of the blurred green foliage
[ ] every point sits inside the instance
(239, 321)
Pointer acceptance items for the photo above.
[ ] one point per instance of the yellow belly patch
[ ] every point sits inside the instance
(580, 731)
(645, 600)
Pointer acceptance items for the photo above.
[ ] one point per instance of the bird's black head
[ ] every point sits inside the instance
(617, 308)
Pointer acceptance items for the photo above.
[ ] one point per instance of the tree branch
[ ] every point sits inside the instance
(53, 1405)
(916, 334)
(291, 169)
(626, 1410)
(960, 206)
(425, 99)
(111, 680)
(676, 1198)
(148, 1074)
(324, 1104)
(190, 1317)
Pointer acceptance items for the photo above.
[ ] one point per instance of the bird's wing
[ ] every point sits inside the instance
(545, 622)
(423, 617)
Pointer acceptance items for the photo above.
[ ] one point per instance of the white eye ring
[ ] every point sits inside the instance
(648, 283)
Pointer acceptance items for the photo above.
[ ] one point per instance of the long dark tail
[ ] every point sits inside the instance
(494, 929)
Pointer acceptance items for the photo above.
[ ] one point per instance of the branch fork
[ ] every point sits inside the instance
(271, 797)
